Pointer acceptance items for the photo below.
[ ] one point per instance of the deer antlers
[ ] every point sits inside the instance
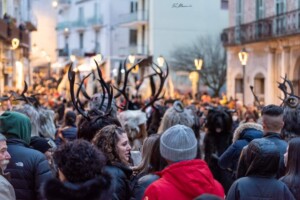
(156, 94)
(290, 99)
(79, 106)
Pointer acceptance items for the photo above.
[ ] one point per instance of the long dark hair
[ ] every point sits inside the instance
(292, 176)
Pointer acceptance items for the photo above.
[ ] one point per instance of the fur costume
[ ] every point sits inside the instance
(95, 189)
(41, 119)
(217, 140)
(134, 123)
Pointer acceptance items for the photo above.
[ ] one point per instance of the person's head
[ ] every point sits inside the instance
(70, 118)
(272, 118)
(261, 158)
(87, 129)
(15, 125)
(95, 102)
(292, 157)
(178, 143)
(112, 140)
(176, 114)
(250, 118)
(4, 155)
(78, 161)
(147, 151)
(43, 145)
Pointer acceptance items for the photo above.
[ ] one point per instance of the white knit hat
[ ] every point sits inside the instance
(178, 143)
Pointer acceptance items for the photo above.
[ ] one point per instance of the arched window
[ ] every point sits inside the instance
(259, 86)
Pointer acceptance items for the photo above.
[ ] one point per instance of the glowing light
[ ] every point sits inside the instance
(15, 43)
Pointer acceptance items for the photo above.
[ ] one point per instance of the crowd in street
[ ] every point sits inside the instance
(174, 149)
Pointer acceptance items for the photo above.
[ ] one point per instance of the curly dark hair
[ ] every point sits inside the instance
(106, 140)
(88, 129)
(79, 161)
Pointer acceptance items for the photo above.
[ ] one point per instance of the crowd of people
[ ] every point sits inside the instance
(174, 149)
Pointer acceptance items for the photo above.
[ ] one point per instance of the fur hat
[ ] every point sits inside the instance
(131, 119)
(178, 143)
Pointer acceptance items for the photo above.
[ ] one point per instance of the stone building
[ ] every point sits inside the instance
(269, 31)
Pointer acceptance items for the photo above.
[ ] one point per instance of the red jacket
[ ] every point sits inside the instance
(184, 180)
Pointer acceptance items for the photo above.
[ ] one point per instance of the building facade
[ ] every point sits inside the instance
(269, 31)
(43, 41)
(159, 27)
(85, 28)
(16, 24)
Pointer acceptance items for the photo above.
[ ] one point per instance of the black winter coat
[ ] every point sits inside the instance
(28, 169)
(141, 185)
(120, 183)
(248, 188)
(94, 189)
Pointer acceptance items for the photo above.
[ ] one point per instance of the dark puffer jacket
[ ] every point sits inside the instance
(141, 185)
(281, 145)
(28, 169)
(260, 162)
(244, 134)
(120, 183)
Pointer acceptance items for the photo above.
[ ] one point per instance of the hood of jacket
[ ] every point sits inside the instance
(94, 189)
(15, 125)
(192, 177)
(262, 158)
(248, 131)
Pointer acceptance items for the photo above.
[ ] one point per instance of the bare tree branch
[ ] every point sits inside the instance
(213, 72)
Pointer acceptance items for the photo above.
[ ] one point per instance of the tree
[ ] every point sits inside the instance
(213, 72)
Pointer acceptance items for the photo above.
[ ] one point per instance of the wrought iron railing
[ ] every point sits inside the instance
(264, 29)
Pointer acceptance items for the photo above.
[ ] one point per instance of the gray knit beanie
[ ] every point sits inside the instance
(178, 143)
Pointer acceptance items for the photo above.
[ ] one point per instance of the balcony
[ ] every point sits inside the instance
(133, 49)
(77, 52)
(134, 19)
(64, 4)
(31, 23)
(3, 29)
(63, 25)
(286, 24)
(95, 22)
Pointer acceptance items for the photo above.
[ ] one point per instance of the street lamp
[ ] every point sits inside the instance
(243, 56)
(198, 64)
(131, 59)
(160, 61)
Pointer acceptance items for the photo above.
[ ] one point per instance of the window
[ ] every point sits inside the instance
(224, 4)
(97, 44)
(259, 85)
(259, 9)
(80, 13)
(81, 40)
(95, 10)
(132, 37)
(239, 12)
(239, 85)
(66, 49)
(280, 9)
(133, 7)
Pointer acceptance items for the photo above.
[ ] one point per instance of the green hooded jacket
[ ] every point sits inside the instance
(15, 125)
